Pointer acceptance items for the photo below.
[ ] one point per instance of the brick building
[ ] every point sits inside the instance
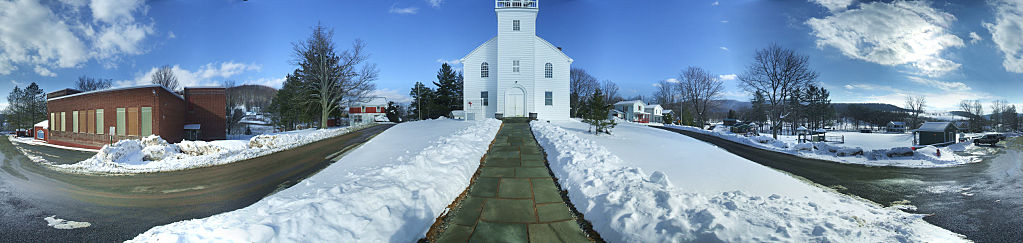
(95, 118)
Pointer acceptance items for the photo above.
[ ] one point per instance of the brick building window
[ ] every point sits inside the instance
(52, 121)
(90, 121)
(63, 121)
(147, 121)
(133, 121)
(74, 121)
(99, 121)
(83, 122)
(121, 122)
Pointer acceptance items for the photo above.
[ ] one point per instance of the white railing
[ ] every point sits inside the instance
(515, 4)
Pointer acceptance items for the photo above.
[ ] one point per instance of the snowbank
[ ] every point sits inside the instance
(871, 154)
(627, 205)
(153, 154)
(390, 189)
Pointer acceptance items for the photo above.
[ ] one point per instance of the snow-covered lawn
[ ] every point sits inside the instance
(648, 185)
(864, 149)
(390, 189)
(153, 154)
(867, 141)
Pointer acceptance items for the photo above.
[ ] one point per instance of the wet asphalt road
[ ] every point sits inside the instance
(121, 207)
(983, 201)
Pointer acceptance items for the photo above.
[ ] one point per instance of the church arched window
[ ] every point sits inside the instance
(548, 70)
(484, 70)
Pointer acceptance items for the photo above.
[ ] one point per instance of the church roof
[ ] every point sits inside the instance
(554, 48)
(478, 48)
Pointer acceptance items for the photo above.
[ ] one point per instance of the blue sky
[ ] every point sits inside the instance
(865, 51)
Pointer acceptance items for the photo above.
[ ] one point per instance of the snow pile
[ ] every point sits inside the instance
(873, 155)
(56, 223)
(390, 189)
(626, 205)
(153, 154)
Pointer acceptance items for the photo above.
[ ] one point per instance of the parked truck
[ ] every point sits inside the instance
(990, 139)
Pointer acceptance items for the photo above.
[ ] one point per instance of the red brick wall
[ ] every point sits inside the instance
(168, 120)
(208, 107)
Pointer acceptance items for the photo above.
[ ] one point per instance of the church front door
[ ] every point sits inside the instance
(515, 103)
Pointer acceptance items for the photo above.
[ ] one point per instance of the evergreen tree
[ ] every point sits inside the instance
(288, 108)
(449, 90)
(423, 101)
(731, 114)
(597, 113)
(393, 112)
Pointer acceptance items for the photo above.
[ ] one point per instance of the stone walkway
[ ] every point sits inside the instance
(514, 198)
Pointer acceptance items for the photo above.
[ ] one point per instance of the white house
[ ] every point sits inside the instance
(655, 112)
(374, 109)
(633, 111)
(516, 73)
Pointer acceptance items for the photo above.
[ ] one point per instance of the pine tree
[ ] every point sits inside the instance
(597, 113)
(423, 101)
(393, 112)
(449, 90)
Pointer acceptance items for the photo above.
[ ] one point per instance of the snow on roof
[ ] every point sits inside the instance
(821, 130)
(629, 102)
(372, 101)
(666, 111)
(897, 123)
(801, 128)
(45, 124)
(120, 88)
(933, 127)
(458, 113)
(192, 126)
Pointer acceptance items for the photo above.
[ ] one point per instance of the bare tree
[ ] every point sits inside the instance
(582, 85)
(165, 76)
(666, 93)
(997, 107)
(976, 112)
(332, 79)
(89, 84)
(916, 106)
(699, 89)
(776, 72)
(610, 89)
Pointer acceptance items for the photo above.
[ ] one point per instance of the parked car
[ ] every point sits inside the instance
(990, 139)
(1001, 136)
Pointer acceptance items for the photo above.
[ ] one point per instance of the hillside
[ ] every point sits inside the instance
(251, 95)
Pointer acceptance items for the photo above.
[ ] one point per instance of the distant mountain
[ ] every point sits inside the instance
(251, 95)
(725, 105)
(841, 107)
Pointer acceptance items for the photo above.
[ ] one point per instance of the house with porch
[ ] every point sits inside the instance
(633, 111)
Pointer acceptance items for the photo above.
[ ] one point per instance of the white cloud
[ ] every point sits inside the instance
(723, 48)
(942, 85)
(435, 3)
(210, 74)
(44, 72)
(171, 35)
(408, 10)
(715, 3)
(727, 77)
(68, 33)
(834, 5)
(16, 83)
(898, 33)
(866, 87)
(724, 21)
(672, 80)
(1007, 33)
(974, 38)
(392, 95)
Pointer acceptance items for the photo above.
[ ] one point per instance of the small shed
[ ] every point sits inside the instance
(935, 133)
(42, 130)
(457, 114)
(730, 121)
(896, 127)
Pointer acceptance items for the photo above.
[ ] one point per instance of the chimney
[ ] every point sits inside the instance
(559, 49)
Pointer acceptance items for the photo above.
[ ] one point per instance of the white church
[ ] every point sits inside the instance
(516, 73)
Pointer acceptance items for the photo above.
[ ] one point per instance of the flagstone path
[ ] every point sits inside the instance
(514, 198)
